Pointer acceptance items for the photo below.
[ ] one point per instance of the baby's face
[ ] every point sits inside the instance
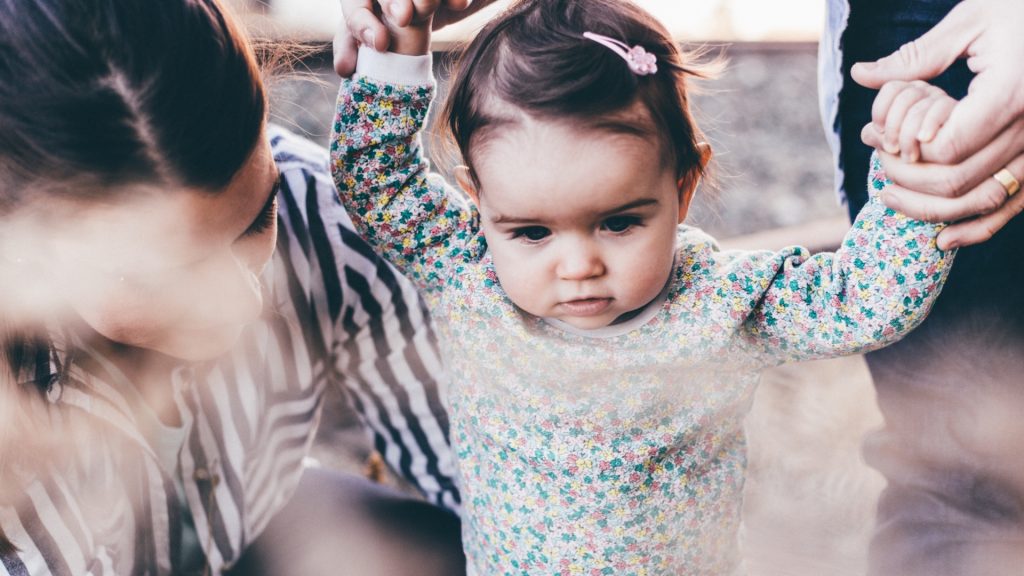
(581, 223)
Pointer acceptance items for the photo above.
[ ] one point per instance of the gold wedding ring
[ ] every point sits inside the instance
(1008, 182)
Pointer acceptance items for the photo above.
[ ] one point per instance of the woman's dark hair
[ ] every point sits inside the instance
(534, 58)
(95, 94)
(98, 95)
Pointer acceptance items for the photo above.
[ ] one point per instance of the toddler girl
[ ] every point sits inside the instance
(602, 356)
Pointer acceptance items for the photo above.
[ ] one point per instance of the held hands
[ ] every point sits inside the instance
(401, 26)
(948, 174)
(906, 115)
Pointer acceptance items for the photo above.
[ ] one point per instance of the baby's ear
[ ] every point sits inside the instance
(689, 181)
(464, 177)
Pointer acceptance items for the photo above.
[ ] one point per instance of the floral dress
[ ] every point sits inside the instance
(618, 451)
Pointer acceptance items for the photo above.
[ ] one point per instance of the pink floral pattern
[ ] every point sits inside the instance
(623, 454)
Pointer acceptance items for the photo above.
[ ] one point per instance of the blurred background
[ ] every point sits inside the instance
(742, 20)
(810, 499)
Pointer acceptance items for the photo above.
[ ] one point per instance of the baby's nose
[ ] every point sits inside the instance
(580, 261)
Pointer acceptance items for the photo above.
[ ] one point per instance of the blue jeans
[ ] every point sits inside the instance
(952, 392)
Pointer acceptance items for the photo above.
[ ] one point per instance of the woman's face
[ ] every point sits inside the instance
(175, 271)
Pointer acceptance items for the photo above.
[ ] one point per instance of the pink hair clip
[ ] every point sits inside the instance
(640, 61)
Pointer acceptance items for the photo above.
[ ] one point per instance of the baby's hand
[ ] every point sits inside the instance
(362, 25)
(906, 114)
(410, 23)
(401, 26)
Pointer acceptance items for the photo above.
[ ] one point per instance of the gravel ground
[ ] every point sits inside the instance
(810, 500)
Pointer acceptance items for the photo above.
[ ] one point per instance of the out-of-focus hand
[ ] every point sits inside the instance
(983, 134)
(364, 23)
(409, 24)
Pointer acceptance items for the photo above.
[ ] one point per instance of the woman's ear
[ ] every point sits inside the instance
(464, 177)
(689, 181)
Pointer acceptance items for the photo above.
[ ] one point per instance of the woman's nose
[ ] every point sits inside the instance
(580, 260)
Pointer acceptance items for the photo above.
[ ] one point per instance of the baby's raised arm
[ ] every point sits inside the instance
(406, 213)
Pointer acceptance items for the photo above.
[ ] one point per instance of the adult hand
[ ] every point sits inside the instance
(363, 24)
(984, 133)
(964, 193)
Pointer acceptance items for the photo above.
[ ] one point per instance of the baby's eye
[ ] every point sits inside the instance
(619, 224)
(531, 233)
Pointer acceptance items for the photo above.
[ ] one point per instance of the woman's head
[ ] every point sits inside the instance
(581, 168)
(135, 180)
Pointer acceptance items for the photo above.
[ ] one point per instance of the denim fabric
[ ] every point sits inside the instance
(952, 393)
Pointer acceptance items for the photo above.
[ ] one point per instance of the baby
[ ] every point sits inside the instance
(602, 355)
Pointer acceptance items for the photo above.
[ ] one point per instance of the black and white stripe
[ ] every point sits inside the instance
(341, 317)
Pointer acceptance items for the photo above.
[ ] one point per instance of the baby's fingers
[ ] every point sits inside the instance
(425, 9)
(936, 118)
(910, 148)
(897, 112)
(398, 12)
(922, 122)
(402, 13)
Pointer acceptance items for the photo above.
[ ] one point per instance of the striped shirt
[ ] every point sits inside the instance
(337, 315)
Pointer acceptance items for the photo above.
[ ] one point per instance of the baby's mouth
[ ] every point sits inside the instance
(586, 306)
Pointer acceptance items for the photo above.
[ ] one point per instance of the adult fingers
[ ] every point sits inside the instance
(452, 11)
(346, 50)
(457, 5)
(983, 228)
(929, 55)
(365, 25)
(993, 103)
(987, 198)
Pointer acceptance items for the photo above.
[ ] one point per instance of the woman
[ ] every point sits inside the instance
(179, 288)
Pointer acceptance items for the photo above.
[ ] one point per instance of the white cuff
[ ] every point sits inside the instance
(394, 68)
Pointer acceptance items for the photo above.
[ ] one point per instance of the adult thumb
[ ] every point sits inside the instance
(929, 55)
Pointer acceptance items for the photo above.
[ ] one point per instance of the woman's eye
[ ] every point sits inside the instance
(620, 223)
(265, 221)
(531, 233)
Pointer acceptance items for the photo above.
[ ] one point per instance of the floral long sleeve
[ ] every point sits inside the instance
(407, 214)
(879, 285)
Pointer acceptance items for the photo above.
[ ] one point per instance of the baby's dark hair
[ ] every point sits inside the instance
(534, 58)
